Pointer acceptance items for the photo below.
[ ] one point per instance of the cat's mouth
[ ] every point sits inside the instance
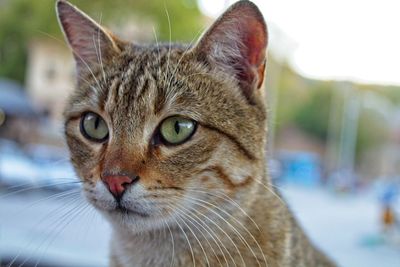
(129, 211)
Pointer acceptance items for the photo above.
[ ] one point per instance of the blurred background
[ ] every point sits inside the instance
(333, 87)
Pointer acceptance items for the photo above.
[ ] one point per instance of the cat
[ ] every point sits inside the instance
(169, 141)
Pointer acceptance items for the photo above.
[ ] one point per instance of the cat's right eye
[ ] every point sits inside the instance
(93, 127)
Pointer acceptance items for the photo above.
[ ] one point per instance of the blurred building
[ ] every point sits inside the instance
(50, 77)
(50, 74)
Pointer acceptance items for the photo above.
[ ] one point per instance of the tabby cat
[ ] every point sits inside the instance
(169, 141)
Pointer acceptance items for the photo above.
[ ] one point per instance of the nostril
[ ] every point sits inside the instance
(132, 181)
(135, 179)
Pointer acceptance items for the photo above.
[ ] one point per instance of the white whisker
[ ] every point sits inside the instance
(187, 239)
(193, 233)
(170, 37)
(100, 51)
(223, 231)
(196, 202)
(229, 199)
(206, 228)
(45, 218)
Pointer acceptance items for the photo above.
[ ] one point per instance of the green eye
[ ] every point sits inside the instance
(93, 127)
(176, 130)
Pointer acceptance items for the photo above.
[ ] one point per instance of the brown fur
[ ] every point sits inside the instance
(208, 201)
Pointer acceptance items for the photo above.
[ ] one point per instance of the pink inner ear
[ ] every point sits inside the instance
(255, 43)
(251, 70)
(236, 43)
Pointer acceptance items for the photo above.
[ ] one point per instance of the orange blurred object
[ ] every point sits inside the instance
(388, 217)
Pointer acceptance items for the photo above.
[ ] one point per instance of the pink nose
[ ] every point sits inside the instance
(117, 184)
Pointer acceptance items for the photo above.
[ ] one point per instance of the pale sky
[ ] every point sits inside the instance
(356, 40)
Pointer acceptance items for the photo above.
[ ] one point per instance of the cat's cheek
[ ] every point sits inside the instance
(233, 168)
(152, 178)
(99, 196)
(85, 155)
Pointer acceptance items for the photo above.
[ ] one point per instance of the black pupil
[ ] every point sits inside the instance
(177, 127)
(96, 122)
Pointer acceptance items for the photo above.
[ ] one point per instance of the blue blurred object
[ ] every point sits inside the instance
(389, 194)
(47, 167)
(16, 168)
(56, 170)
(14, 101)
(372, 241)
(300, 167)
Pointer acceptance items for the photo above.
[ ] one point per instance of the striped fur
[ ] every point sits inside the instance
(207, 202)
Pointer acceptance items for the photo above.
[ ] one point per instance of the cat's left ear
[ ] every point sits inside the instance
(236, 44)
(90, 43)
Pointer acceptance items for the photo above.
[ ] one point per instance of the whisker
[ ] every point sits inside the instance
(75, 54)
(170, 36)
(91, 211)
(44, 218)
(36, 187)
(24, 185)
(183, 54)
(230, 200)
(271, 191)
(52, 197)
(172, 240)
(158, 45)
(196, 202)
(100, 52)
(61, 229)
(212, 234)
(193, 233)
(223, 231)
(187, 239)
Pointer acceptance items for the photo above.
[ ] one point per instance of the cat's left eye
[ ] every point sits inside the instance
(93, 127)
(176, 130)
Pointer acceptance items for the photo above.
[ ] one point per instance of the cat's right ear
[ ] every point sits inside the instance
(91, 44)
(236, 44)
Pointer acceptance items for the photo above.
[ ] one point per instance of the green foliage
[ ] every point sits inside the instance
(22, 20)
(393, 94)
(184, 15)
(373, 130)
(313, 115)
(307, 105)
(292, 92)
(303, 103)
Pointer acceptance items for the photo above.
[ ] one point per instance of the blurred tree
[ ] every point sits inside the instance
(21, 20)
(393, 94)
(307, 105)
(373, 131)
(313, 115)
(293, 92)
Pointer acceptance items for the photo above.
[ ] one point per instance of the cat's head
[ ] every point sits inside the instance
(158, 131)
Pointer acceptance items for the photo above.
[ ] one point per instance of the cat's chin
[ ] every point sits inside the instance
(119, 213)
(129, 212)
(132, 221)
(134, 214)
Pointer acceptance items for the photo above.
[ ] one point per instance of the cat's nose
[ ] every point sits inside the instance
(117, 184)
